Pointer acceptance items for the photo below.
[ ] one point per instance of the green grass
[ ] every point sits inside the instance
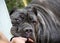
(15, 3)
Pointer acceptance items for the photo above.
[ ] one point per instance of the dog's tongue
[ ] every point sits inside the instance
(29, 41)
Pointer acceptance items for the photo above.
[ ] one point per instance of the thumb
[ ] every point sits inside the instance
(24, 39)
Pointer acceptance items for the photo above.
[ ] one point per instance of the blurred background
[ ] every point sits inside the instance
(16, 3)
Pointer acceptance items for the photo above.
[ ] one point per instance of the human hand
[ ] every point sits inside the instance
(18, 40)
(3, 39)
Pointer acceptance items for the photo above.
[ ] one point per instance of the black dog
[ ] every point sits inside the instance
(40, 21)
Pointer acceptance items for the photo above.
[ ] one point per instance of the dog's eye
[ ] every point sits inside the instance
(17, 20)
(22, 15)
(34, 22)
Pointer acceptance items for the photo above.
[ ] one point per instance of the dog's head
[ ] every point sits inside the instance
(24, 23)
(36, 23)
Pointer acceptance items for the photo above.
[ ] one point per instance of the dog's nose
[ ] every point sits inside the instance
(28, 30)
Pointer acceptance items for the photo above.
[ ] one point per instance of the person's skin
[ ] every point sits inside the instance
(3, 39)
(18, 40)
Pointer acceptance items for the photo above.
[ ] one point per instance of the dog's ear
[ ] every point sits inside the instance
(13, 10)
(34, 10)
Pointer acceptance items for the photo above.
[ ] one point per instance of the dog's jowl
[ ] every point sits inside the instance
(39, 21)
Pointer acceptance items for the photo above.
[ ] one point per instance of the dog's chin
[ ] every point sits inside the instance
(29, 39)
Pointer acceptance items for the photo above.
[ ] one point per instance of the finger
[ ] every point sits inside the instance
(31, 40)
(13, 40)
(24, 39)
(18, 40)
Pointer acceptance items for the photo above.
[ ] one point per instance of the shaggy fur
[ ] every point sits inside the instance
(40, 19)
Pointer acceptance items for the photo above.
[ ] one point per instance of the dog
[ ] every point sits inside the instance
(40, 21)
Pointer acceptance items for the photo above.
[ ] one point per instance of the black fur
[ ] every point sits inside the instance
(40, 19)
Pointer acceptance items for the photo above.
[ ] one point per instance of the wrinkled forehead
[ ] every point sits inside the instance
(15, 15)
(24, 14)
(18, 12)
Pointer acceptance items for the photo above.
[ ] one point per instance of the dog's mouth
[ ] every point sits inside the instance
(29, 40)
(25, 34)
